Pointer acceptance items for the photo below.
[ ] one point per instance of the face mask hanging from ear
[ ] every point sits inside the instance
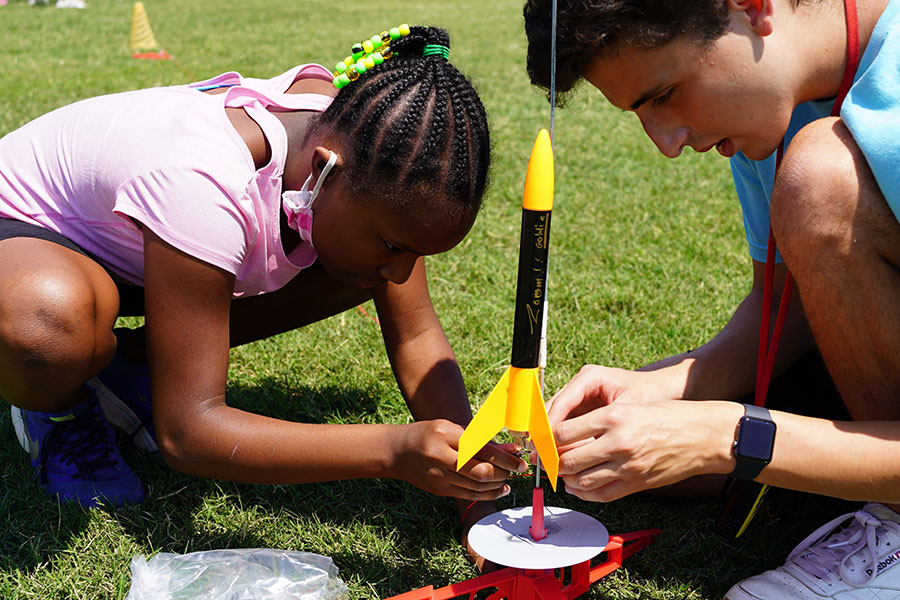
(298, 205)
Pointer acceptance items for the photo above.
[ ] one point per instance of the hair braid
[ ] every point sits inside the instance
(385, 93)
(414, 123)
(433, 133)
(465, 182)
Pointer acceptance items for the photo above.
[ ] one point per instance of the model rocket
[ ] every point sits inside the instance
(516, 402)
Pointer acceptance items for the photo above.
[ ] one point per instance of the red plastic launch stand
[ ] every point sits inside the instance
(521, 584)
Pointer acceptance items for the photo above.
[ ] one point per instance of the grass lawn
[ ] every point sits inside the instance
(647, 259)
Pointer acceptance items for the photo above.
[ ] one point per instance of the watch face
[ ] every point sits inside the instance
(755, 440)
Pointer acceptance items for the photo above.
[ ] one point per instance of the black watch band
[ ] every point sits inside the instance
(754, 442)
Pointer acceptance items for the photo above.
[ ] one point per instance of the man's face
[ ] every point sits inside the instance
(727, 95)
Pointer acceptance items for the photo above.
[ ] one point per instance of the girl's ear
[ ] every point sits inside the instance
(758, 12)
(320, 158)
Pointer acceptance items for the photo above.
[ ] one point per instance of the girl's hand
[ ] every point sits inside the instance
(426, 456)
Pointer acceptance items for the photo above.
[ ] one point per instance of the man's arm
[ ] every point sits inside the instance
(725, 367)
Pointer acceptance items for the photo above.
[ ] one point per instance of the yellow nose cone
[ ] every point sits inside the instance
(539, 178)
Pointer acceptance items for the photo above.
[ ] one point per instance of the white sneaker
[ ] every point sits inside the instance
(856, 562)
(70, 4)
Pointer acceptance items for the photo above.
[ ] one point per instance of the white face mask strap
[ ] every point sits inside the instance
(323, 175)
(298, 206)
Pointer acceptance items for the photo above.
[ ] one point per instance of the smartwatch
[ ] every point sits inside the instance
(753, 442)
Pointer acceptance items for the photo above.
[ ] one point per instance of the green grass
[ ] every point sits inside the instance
(648, 259)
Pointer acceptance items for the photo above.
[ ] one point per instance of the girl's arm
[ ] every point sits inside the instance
(426, 368)
(423, 362)
(188, 303)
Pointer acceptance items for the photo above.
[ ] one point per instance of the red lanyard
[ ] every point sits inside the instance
(766, 359)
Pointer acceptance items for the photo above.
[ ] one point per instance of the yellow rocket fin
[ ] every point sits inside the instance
(487, 423)
(541, 435)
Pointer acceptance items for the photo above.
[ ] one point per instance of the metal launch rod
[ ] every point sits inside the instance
(537, 529)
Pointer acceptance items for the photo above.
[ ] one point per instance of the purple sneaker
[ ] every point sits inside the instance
(75, 456)
(123, 389)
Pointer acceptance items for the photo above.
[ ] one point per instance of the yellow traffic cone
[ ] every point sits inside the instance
(142, 36)
(141, 33)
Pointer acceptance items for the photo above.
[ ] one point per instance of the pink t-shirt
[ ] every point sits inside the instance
(170, 159)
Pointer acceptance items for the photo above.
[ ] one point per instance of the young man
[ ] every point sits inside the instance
(738, 76)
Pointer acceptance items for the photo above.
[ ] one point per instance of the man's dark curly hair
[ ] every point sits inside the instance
(590, 29)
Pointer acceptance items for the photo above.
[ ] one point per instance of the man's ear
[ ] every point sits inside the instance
(759, 14)
(320, 158)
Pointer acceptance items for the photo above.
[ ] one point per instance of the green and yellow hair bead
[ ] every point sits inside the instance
(366, 54)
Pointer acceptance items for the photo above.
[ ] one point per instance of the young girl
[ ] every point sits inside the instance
(243, 208)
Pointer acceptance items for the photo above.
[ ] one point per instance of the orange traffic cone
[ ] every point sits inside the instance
(142, 36)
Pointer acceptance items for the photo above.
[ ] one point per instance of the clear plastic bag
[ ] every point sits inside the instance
(242, 574)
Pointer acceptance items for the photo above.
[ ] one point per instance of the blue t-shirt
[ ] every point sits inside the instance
(871, 111)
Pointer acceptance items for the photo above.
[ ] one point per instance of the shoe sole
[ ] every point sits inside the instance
(118, 413)
(737, 595)
(18, 420)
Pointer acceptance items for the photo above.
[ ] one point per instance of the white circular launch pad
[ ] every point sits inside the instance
(572, 538)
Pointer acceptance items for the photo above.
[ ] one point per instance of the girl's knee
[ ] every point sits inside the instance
(55, 328)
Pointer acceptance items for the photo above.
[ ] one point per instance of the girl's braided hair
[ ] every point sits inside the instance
(416, 125)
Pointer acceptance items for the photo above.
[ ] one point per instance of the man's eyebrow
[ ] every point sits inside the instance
(646, 96)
